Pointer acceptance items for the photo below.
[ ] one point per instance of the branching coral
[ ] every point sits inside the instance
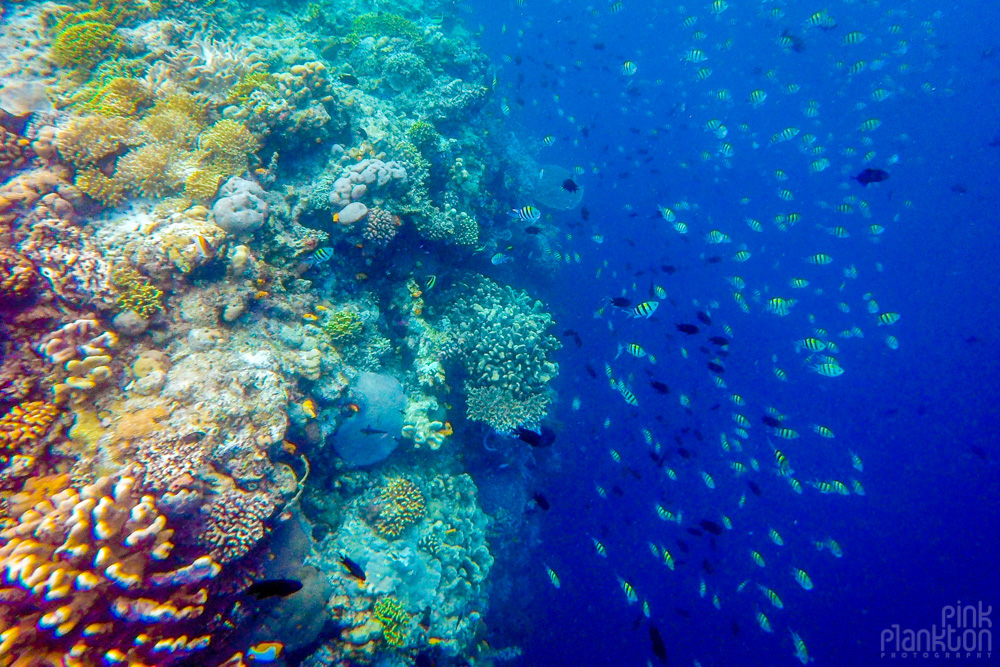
(136, 293)
(85, 566)
(505, 347)
(88, 140)
(402, 505)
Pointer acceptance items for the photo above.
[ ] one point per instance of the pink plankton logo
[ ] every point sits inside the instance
(965, 632)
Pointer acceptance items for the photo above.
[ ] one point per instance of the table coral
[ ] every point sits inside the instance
(92, 576)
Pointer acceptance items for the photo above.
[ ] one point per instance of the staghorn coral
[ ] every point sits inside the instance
(401, 504)
(394, 619)
(89, 566)
(135, 291)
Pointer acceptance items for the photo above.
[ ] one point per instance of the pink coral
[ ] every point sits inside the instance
(381, 226)
(91, 576)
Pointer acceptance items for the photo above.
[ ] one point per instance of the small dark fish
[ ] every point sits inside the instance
(711, 526)
(368, 430)
(590, 371)
(543, 439)
(714, 259)
(659, 648)
(716, 368)
(771, 421)
(569, 185)
(620, 302)
(972, 339)
(683, 612)
(353, 569)
(734, 627)
(683, 546)
(669, 269)
(960, 189)
(541, 501)
(695, 532)
(978, 451)
(349, 79)
(617, 491)
(704, 318)
(271, 588)
(698, 436)
(689, 329)
(754, 488)
(684, 453)
(659, 387)
(599, 46)
(705, 565)
(871, 176)
(532, 230)
(631, 242)
(585, 213)
(718, 340)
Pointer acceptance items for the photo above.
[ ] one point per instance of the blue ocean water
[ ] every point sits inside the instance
(923, 417)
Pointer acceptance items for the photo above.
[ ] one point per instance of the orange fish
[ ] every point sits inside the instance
(289, 447)
(309, 316)
(354, 407)
(309, 407)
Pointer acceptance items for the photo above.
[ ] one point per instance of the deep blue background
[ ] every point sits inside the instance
(926, 533)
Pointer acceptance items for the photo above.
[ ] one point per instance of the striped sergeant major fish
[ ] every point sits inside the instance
(526, 213)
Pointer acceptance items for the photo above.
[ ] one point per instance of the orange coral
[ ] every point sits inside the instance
(26, 423)
(91, 576)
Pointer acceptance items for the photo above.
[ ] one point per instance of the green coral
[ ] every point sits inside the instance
(342, 325)
(258, 79)
(395, 621)
(380, 24)
(135, 291)
(423, 135)
(81, 39)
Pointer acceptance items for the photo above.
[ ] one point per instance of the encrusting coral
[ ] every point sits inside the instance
(401, 505)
